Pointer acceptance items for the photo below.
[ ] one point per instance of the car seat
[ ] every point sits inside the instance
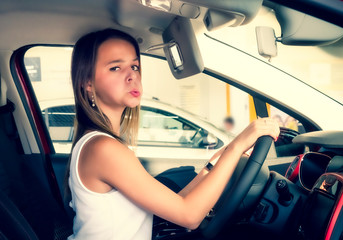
(28, 209)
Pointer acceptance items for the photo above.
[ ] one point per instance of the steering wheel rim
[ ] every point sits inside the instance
(237, 193)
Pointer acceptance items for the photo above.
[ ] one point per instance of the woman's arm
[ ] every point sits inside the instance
(201, 174)
(112, 163)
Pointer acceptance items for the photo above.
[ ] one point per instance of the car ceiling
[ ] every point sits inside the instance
(328, 10)
(64, 21)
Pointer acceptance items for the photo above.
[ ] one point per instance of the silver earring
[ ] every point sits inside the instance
(93, 101)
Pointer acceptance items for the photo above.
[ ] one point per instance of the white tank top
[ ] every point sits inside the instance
(104, 215)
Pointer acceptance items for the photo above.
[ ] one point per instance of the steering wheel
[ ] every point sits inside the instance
(232, 199)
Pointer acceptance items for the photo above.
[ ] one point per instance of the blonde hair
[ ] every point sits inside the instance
(129, 125)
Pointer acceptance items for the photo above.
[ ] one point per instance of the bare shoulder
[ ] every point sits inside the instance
(103, 147)
(102, 161)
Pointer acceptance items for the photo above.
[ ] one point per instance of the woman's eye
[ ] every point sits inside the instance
(135, 68)
(114, 68)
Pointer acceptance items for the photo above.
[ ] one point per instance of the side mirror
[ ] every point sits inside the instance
(209, 141)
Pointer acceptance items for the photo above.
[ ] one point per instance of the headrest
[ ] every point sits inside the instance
(3, 93)
(6, 106)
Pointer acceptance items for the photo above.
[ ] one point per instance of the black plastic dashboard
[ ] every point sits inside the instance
(326, 139)
(319, 171)
(311, 207)
(327, 156)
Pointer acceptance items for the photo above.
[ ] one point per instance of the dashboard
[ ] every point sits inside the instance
(306, 168)
(305, 204)
(320, 173)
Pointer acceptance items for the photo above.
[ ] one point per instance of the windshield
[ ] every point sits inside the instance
(321, 66)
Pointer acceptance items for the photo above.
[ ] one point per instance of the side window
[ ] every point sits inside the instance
(60, 123)
(161, 128)
(185, 124)
(285, 120)
(48, 69)
(289, 128)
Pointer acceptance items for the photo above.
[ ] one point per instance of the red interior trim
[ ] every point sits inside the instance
(32, 109)
(334, 216)
(295, 172)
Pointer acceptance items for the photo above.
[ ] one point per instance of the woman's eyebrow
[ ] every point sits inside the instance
(121, 60)
(115, 61)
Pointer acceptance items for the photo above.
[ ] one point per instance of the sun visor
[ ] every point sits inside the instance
(304, 30)
(181, 49)
(228, 12)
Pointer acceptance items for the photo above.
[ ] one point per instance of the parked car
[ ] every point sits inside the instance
(296, 193)
(168, 136)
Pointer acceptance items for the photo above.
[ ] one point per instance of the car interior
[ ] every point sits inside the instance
(300, 197)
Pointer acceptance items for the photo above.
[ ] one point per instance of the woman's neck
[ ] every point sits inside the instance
(114, 115)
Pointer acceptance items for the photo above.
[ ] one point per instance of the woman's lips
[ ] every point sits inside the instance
(135, 93)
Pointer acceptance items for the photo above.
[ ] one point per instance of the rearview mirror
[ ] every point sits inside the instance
(266, 42)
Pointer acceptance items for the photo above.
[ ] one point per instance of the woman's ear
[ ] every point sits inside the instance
(88, 86)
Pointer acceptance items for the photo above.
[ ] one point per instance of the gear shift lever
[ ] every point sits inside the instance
(285, 197)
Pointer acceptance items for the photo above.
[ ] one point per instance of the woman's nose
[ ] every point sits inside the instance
(131, 76)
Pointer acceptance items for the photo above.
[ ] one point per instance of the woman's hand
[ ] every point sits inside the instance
(260, 127)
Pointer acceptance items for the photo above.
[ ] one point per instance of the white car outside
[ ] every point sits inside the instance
(165, 133)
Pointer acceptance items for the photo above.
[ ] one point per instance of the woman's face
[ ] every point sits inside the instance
(117, 76)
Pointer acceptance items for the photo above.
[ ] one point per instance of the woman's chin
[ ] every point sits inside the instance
(134, 103)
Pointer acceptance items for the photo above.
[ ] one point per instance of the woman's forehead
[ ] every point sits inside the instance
(116, 50)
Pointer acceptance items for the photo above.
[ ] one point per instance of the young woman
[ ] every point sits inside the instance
(112, 194)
